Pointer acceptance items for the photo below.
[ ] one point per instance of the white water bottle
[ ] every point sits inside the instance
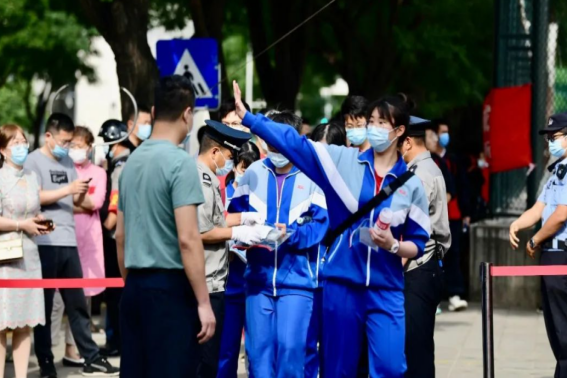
(384, 219)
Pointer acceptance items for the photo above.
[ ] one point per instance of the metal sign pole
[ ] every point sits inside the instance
(487, 321)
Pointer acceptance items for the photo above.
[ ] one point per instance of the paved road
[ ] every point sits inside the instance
(521, 347)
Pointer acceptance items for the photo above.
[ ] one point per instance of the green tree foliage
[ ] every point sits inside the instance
(42, 43)
(438, 52)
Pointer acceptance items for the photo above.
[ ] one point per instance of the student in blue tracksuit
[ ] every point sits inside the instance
(363, 291)
(280, 283)
(234, 298)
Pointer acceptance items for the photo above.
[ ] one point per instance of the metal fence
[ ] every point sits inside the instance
(527, 50)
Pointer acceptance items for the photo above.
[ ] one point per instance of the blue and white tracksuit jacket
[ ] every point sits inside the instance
(292, 267)
(348, 181)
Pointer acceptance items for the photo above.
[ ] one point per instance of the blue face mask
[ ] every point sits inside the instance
(356, 136)
(238, 177)
(278, 160)
(19, 154)
(379, 138)
(555, 148)
(59, 152)
(144, 132)
(444, 140)
(228, 166)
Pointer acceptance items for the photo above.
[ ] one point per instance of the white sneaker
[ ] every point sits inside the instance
(457, 304)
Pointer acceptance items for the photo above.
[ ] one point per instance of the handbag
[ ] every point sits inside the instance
(13, 249)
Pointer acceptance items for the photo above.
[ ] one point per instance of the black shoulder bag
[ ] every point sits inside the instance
(331, 235)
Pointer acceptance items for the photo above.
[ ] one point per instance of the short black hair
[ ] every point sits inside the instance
(330, 133)
(436, 124)
(248, 154)
(395, 109)
(287, 117)
(142, 108)
(59, 122)
(354, 106)
(228, 106)
(173, 94)
(207, 143)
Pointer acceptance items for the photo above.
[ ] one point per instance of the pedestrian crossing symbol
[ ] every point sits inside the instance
(196, 59)
(187, 67)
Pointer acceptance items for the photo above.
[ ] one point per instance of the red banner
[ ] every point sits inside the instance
(506, 128)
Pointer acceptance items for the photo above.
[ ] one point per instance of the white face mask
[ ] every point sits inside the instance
(78, 155)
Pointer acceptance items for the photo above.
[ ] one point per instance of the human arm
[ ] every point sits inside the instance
(416, 228)
(49, 197)
(310, 233)
(193, 259)
(552, 225)
(110, 221)
(120, 237)
(29, 226)
(526, 220)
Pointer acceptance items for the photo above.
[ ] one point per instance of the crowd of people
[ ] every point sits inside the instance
(367, 212)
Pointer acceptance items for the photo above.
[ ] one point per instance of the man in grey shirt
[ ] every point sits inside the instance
(423, 277)
(60, 190)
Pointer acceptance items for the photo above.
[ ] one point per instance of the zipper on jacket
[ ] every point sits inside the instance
(372, 219)
(279, 201)
(308, 265)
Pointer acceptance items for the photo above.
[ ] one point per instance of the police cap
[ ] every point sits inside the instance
(226, 136)
(113, 130)
(556, 122)
(417, 127)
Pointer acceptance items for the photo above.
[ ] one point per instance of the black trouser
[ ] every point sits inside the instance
(423, 291)
(159, 323)
(63, 262)
(210, 351)
(554, 294)
(112, 295)
(454, 280)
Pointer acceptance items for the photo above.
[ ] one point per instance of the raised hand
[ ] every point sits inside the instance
(240, 109)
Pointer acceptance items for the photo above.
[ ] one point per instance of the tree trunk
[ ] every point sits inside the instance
(124, 26)
(280, 80)
(208, 19)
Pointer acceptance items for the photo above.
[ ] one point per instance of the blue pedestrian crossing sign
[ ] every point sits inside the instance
(198, 60)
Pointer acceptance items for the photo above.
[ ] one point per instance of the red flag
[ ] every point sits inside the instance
(506, 128)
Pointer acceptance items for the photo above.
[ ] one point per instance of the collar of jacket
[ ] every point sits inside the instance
(367, 157)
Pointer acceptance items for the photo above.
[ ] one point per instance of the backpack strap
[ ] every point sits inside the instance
(331, 235)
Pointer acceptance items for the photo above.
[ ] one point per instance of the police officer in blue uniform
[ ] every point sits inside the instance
(551, 208)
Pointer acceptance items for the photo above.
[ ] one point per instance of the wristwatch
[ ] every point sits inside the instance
(395, 247)
(532, 243)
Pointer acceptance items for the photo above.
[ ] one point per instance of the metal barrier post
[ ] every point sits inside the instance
(487, 321)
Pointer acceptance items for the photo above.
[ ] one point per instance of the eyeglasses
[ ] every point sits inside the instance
(553, 138)
(19, 142)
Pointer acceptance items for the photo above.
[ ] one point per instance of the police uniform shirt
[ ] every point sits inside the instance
(424, 167)
(211, 215)
(554, 194)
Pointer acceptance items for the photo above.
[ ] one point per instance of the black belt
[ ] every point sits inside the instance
(558, 244)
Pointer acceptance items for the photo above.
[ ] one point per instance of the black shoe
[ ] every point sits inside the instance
(69, 362)
(109, 352)
(100, 368)
(48, 371)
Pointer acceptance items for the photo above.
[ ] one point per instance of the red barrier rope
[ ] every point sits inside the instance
(62, 283)
(532, 270)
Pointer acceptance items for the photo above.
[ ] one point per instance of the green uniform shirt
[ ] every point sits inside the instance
(158, 178)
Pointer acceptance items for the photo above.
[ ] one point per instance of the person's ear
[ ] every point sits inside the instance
(130, 124)
(187, 114)
(400, 130)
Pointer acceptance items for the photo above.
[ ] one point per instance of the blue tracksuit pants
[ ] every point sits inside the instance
(348, 313)
(276, 334)
(314, 336)
(235, 312)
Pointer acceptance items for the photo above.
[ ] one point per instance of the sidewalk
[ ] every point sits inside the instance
(520, 343)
